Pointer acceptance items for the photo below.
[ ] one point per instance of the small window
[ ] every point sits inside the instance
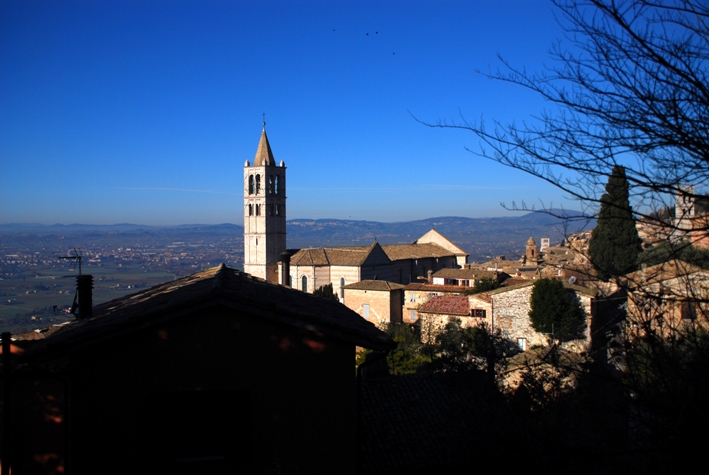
(275, 185)
(366, 311)
(412, 297)
(480, 313)
(689, 310)
(258, 184)
(412, 315)
(522, 344)
(304, 283)
(342, 290)
(251, 184)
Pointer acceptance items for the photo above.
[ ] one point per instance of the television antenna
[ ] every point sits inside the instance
(74, 255)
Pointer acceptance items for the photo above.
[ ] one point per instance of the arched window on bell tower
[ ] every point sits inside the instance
(251, 184)
(258, 184)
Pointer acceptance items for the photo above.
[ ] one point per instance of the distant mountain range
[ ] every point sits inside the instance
(483, 238)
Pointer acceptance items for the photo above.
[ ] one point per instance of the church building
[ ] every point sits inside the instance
(265, 253)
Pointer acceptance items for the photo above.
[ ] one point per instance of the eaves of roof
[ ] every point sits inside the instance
(216, 287)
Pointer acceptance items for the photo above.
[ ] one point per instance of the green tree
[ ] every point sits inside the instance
(555, 310)
(407, 357)
(615, 244)
(326, 291)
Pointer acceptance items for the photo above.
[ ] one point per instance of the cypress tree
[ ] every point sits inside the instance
(615, 244)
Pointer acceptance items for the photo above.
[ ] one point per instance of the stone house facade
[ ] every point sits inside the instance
(415, 295)
(510, 313)
(667, 297)
(377, 301)
(438, 311)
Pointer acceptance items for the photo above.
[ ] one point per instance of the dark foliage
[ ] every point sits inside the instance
(615, 244)
(326, 291)
(556, 311)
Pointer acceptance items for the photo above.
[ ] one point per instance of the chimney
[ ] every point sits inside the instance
(285, 268)
(84, 291)
(430, 276)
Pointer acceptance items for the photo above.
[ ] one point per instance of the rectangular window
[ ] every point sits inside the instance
(689, 310)
(412, 315)
(366, 311)
(522, 344)
(480, 313)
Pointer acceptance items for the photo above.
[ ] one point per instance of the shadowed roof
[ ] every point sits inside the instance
(219, 286)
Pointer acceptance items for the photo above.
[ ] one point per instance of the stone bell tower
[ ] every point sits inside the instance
(264, 212)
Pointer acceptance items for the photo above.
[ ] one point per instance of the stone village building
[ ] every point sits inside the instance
(507, 309)
(667, 297)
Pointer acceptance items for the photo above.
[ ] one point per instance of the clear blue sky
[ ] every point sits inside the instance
(145, 111)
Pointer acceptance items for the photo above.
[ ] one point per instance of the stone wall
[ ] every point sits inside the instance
(511, 315)
(380, 303)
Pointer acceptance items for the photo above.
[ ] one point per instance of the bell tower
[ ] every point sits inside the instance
(264, 212)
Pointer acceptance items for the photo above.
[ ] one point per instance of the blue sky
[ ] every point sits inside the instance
(145, 111)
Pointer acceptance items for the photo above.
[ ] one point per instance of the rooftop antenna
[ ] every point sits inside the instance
(75, 256)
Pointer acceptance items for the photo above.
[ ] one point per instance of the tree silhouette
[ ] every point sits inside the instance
(615, 244)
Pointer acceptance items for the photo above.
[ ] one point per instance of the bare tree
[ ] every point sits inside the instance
(629, 85)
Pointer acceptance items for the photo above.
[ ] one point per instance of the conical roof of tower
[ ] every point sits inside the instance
(531, 241)
(264, 156)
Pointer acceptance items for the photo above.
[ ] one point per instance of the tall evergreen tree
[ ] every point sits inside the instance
(615, 244)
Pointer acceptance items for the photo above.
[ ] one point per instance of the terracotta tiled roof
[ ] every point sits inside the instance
(382, 285)
(397, 252)
(447, 304)
(356, 255)
(310, 257)
(264, 156)
(216, 287)
(332, 256)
